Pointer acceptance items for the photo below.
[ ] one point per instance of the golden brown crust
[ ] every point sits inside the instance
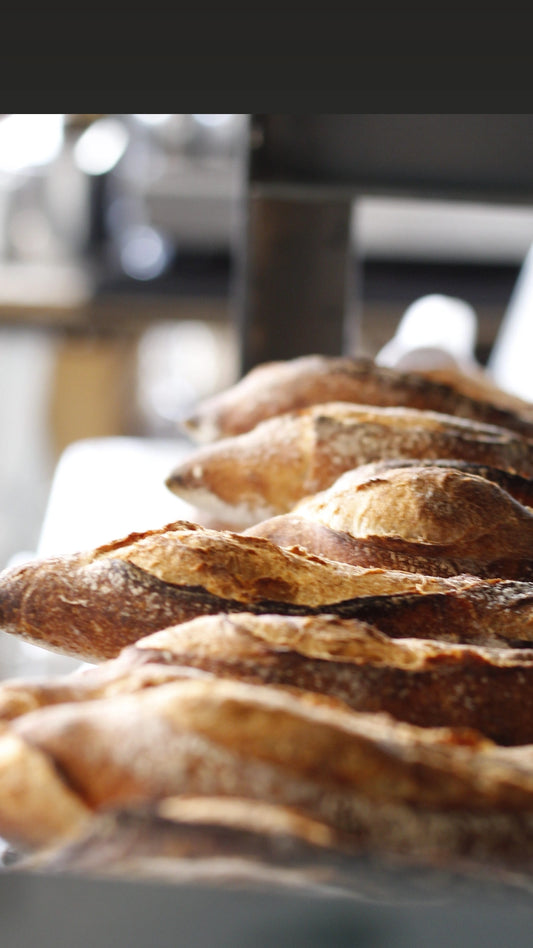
(425, 683)
(492, 612)
(434, 520)
(520, 488)
(357, 773)
(265, 472)
(131, 672)
(392, 553)
(259, 712)
(277, 387)
(226, 841)
(476, 383)
(247, 478)
(91, 605)
(36, 804)
(216, 841)
(429, 504)
(371, 864)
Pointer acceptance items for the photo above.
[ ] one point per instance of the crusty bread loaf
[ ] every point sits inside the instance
(92, 604)
(437, 795)
(426, 683)
(277, 387)
(433, 520)
(221, 841)
(225, 841)
(265, 472)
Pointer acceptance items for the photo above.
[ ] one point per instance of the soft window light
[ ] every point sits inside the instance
(28, 140)
(152, 118)
(214, 120)
(101, 146)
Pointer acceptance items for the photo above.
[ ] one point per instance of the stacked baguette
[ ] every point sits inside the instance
(343, 672)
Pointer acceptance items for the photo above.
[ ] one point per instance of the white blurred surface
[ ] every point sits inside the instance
(105, 488)
(428, 230)
(510, 362)
(26, 458)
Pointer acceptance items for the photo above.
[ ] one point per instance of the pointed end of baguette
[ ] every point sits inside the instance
(36, 807)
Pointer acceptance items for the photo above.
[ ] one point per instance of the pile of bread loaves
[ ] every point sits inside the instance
(331, 666)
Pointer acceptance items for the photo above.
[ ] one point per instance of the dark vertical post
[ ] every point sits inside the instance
(294, 274)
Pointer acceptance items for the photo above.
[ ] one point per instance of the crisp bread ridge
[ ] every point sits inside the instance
(520, 488)
(390, 553)
(91, 605)
(93, 629)
(490, 613)
(267, 471)
(276, 387)
(428, 519)
(425, 683)
(428, 799)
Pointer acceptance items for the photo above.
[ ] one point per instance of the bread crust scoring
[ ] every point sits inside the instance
(267, 471)
(277, 387)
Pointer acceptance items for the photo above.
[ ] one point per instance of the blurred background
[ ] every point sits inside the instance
(121, 242)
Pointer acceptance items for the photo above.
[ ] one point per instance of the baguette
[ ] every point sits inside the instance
(223, 842)
(425, 683)
(90, 605)
(436, 794)
(239, 842)
(274, 388)
(267, 471)
(428, 519)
